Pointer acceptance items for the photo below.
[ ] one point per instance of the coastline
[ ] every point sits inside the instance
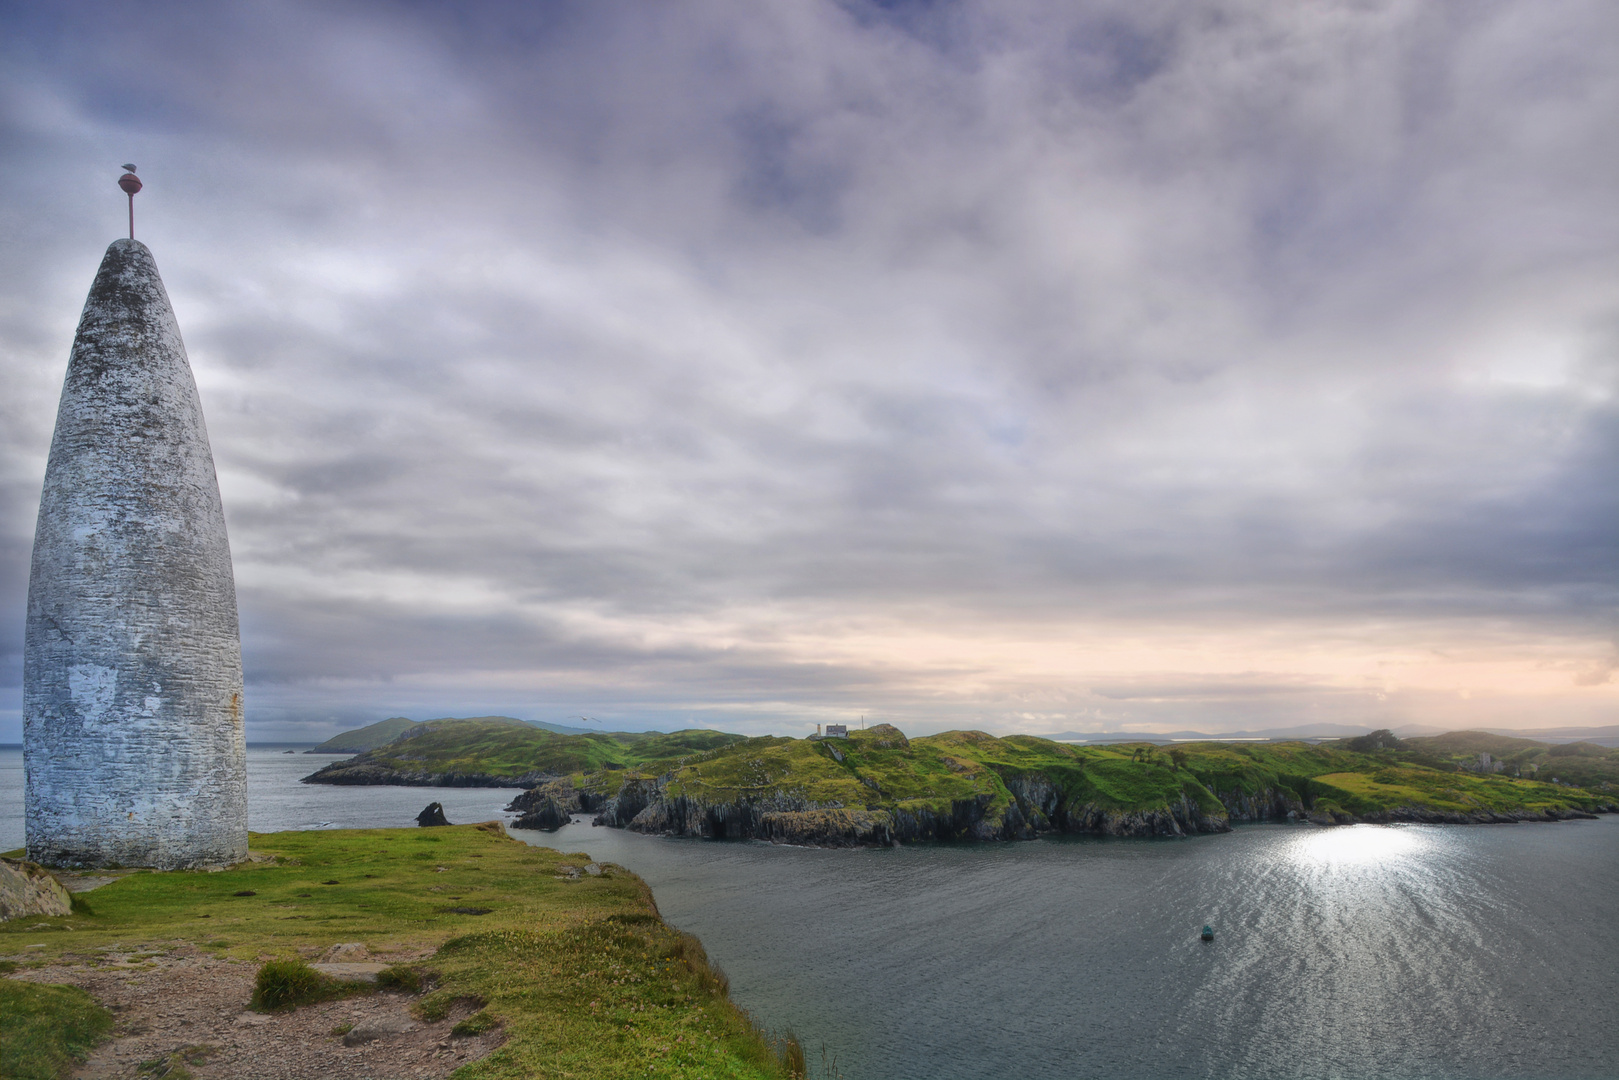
(841, 827)
(523, 954)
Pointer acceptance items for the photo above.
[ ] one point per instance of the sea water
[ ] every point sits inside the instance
(1365, 951)
(276, 800)
(1398, 952)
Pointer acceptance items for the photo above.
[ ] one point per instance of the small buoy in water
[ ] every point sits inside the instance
(1208, 933)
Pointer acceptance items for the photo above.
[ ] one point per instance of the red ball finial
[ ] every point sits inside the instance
(130, 183)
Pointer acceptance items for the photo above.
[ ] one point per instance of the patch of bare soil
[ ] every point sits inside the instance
(186, 1014)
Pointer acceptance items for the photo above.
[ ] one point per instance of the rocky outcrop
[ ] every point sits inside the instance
(547, 807)
(633, 797)
(432, 815)
(27, 889)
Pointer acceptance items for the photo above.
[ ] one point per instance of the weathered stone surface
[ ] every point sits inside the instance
(346, 952)
(27, 889)
(351, 971)
(381, 1027)
(432, 814)
(132, 670)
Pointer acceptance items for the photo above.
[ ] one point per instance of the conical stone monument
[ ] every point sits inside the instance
(133, 741)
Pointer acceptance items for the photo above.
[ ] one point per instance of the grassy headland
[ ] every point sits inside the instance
(971, 785)
(877, 786)
(501, 752)
(578, 968)
(374, 735)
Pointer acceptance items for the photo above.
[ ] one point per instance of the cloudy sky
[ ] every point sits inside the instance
(1013, 365)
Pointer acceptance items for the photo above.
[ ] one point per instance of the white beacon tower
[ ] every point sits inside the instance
(133, 742)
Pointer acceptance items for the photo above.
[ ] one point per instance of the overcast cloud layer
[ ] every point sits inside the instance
(1012, 365)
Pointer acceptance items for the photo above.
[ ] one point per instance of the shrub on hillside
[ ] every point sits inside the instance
(286, 984)
(1382, 739)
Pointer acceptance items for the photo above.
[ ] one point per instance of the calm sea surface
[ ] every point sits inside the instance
(1399, 952)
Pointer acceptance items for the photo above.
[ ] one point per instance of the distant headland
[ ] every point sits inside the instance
(878, 787)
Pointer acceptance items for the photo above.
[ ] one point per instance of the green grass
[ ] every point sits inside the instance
(1389, 788)
(46, 1029)
(581, 974)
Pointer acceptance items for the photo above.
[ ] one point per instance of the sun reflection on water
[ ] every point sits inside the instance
(1352, 845)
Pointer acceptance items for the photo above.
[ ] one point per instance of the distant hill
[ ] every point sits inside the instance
(362, 739)
(1281, 734)
(498, 751)
(372, 736)
(1584, 764)
(1602, 736)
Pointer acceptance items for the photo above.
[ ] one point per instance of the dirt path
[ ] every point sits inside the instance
(188, 1013)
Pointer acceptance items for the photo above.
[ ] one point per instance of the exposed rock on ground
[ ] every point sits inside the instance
(27, 889)
(432, 814)
(191, 1010)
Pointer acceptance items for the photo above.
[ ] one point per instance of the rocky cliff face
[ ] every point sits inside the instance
(1038, 806)
(1180, 818)
(876, 799)
(1270, 804)
(547, 807)
(686, 816)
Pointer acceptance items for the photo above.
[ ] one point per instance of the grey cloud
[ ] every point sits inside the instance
(514, 321)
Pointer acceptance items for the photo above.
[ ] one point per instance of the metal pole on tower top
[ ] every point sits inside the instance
(130, 183)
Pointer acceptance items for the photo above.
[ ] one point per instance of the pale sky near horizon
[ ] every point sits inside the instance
(1015, 365)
